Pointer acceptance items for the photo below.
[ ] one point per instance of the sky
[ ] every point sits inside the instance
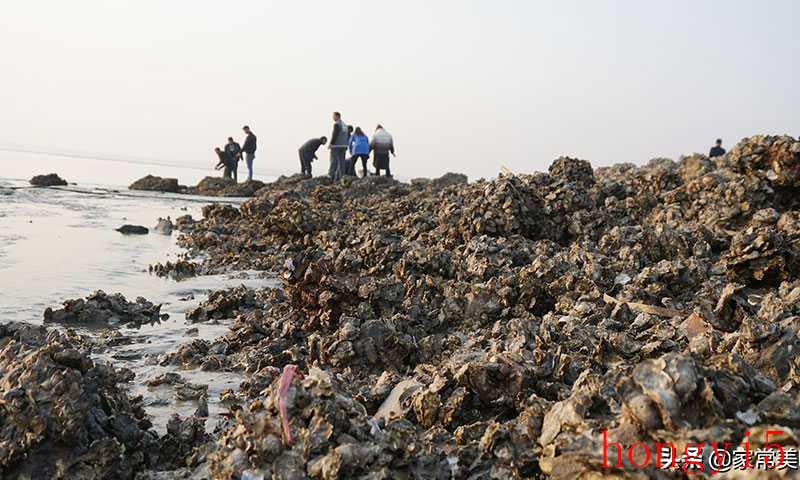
(466, 86)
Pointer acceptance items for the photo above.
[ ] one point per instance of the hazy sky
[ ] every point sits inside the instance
(462, 85)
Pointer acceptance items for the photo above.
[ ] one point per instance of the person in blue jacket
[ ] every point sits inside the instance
(359, 148)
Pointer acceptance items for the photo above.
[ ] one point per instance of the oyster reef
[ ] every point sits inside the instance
(501, 328)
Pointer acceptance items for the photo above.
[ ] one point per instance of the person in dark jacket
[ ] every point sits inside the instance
(382, 145)
(226, 162)
(308, 153)
(235, 151)
(349, 169)
(249, 149)
(338, 148)
(359, 149)
(717, 150)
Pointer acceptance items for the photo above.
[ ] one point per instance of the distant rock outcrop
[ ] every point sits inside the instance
(213, 185)
(226, 187)
(49, 180)
(156, 184)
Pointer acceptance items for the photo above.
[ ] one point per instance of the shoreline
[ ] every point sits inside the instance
(445, 328)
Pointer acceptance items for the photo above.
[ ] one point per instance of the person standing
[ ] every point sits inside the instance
(338, 147)
(717, 150)
(249, 149)
(235, 151)
(349, 161)
(226, 162)
(308, 153)
(359, 149)
(382, 145)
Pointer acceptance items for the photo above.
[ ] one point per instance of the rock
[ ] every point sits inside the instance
(214, 185)
(695, 166)
(133, 230)
(325, 427)
(226, 304)
(225, 187)
(164, 226)
(396, 404)
(190, 391)
(572, 170)
(776, 158)
(180, 270)
(168, 378)
(184, 223)
(49, 180)
(81, 424)
(202, 408)
(101, 309)
(183, 441)
(244, 189)
(447, 180)
(156, 184)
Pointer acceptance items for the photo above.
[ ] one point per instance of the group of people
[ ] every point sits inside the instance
(233, 153)
(346, 139)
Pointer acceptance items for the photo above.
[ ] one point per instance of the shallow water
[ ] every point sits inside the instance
(60, 243)
(19, 165)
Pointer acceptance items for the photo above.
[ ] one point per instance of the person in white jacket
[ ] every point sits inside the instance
(382, 145)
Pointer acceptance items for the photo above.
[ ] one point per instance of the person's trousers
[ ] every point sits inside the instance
(338, 163)
(382, 163)
(334, 164)
(353, 161)
(343, 167)
(249, 157)
(305, 165)
(235, 172)
(227, 172)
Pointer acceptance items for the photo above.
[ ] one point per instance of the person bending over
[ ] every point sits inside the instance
(226, 162)
(308, 153)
